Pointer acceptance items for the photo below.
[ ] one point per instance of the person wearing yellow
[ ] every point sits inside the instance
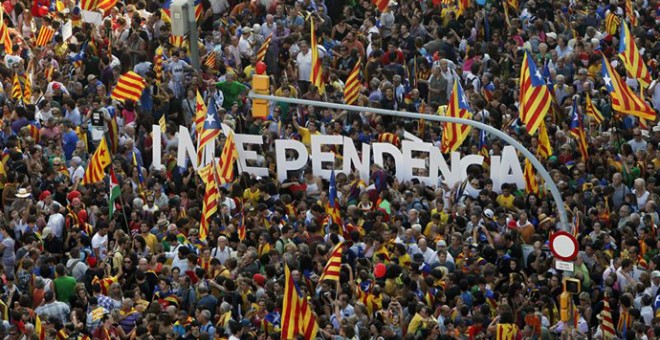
(423, 319)
(505, 199)
(306, 133)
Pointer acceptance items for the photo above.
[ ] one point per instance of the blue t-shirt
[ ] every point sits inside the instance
(69, 140)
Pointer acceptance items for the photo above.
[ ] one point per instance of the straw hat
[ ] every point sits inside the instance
(23, 193)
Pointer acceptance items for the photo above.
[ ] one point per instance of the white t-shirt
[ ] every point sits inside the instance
(101, 243)
(304, 62)
(177, 68)
(79, 172)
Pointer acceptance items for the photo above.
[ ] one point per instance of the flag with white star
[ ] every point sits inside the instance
(624, 99)
(210, 131)
(454, 134)
(534, 95)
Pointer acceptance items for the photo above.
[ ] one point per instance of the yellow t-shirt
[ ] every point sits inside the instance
(306, 136)
(151, 241)
(251, 196)
(506, 202)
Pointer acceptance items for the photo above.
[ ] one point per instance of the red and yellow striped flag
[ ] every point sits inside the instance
(5, 39)
(27, 89)
(35, 133)
(261, 54)
(352, 88)
(297, 317)
(16, 91)
(48, 72)
(96, 168)
(545, 147)
(210, 204)
(39, 329)
(535, 97)
(381, 4)
(177, 41)
(158, 65)
(45, 36)
(316, 76)
(200, 114)
(592, 111)
(612, 22)
(88, 5)
(632, 58)
(227, 159)
(106, 5)
(630, 13)
(623, 98)
(333, 267)
(389, 137)
(454, 134)
(606, 323)
(210, 60)
(211, 129)
(531, 184)
(129, 86)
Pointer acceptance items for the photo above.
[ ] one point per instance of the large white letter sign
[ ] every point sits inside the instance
(186, 148)
(319, 156)
(506, 169)
(438, 162)
(248, 155)
(283, 165)
(412, 163)
(352, 159)
(157, 146)
(381, 148)
(467, 161)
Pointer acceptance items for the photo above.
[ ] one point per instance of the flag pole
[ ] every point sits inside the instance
(121, 202)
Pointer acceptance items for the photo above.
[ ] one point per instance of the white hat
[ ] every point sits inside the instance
(552, 35)
(246, 29)
(22, 193)
(417, 227)
(656, 128)
(489, 213)
(655, 274)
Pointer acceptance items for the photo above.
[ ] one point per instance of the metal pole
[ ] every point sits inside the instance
(554, 191)
(192, 35)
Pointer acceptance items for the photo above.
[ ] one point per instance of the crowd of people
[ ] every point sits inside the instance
(419, 262)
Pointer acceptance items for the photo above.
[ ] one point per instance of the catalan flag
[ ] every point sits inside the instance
(545, 147)
(210, 131)
(531, 184)
(534, 95)
(199, 9)
(261, 54)
(45, 36)
(606, 323)
(39, 329)
(316, 76)
(88, 5)
(48, 72)
(227, 159)
(210, 204)
(113, 134)
(352, 88)
(575, 227)
(177, 41)
(165, 11)
(513, 4)
(612, 22)
(333, 205)
(630, 12)
(333, 267)
(27, 88)
(592, 111)
(297, 316)
(5, 39)
(632, 59)
(625, 322)
(506, 331)
(106, 5)
(162, 123)
(454, 134)
(242, 228)
(96, 168)
(200, 114)
(381, 4)
(105, 283)
(389, 137)
(463, 5)
(16, 91)
(129, 86)
(483, 147)
(210, 60)
(35, 132)
(577, 131)
(624, 99)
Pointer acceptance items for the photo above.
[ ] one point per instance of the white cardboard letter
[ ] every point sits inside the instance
(157, 145)
(186, 148)
(352, 159)
(412, 163)
(506, 169)
(246, 155)
(381, 148)
(319, 156)
(281, 146)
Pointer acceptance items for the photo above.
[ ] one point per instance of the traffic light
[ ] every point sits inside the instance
(260, 85)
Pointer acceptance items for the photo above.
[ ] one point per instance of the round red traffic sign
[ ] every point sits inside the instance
(564, 246)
